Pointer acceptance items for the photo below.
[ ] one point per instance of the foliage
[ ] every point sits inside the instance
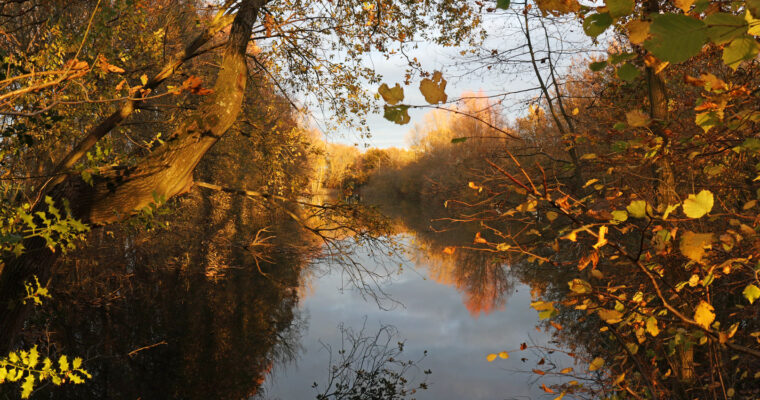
(26, 366)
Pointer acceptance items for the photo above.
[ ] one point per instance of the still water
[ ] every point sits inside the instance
(433, 310)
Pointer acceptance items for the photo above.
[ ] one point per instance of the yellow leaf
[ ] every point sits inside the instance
(576, 111)
(754, 24)
(596, 364)
(27, 387)
(601, 241)
(669, 210)
(551, 215)
(610, 316)
(449, 250)
(637, 209)
(558, 7)
(597, 274)
(392, 96)
(619, 216)
(491, 357)
(704, 314)
(579, 286)
(503, 247)
(684, 5)
(620, 378)
(479, 239)
(566, 370)
(472, 185)
(693, 244)
(652, 327)
(637, 118)
(434, 89)
(561, 395)
(504, 355)
(144, 79)
(698, 205)
(638, 31)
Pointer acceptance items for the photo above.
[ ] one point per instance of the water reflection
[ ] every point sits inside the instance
(205, 310)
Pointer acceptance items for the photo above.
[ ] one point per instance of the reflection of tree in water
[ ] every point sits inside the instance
(484, 279)
(182, 312)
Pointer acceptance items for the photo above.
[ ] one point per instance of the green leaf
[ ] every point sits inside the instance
(459, 140)
(620, 57)
(397, 114)
(698, 205)
(740, 49)
(637, 209)
(392, 96)
(751, 293)
(619, 8)
(723, 27)
(503, 4)
(597, 66)
(707, 120)
(675, 37)
(595, 24)
(628, 72)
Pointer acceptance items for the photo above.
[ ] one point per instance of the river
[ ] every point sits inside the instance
(430, 313)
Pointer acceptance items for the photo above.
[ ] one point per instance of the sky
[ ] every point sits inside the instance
(504, 34)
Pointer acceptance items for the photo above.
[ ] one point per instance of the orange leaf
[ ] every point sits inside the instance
(523, 346)
(449, 250)
(539, 372)
(546, 389)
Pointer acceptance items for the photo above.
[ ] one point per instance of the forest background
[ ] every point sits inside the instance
(165, 135)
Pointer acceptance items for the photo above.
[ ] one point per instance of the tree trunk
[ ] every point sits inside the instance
(119, 193)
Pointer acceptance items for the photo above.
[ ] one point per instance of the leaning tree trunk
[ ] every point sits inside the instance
(117, 194)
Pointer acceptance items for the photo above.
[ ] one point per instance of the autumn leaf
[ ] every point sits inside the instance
(491, 357)
(638, 31)
(652, 327)
(479, 239)
(546, 389)
(558, 7)
(596, 364)
(637, 209)
(610, 316)
(539, 372)
(434, 89)
(566, 370)
(751, 293)
(698, 205)
(601, 240)
(704, 315)
(503, 355)
(637, 118)
(392, 96)
(693, 244)
(449, 250)
(579, 286)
